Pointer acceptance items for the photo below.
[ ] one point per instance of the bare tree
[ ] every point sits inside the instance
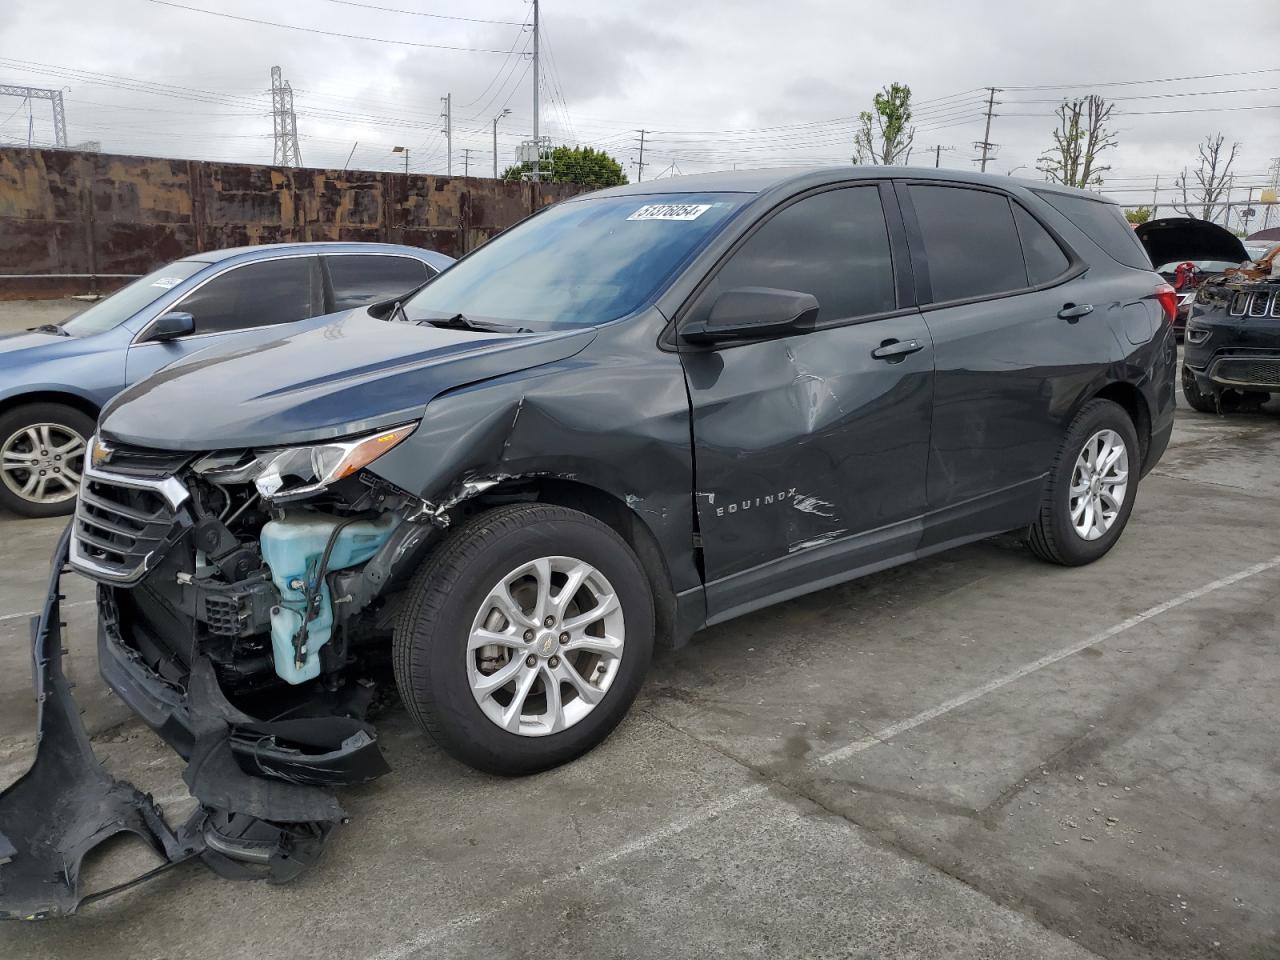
(1212, 179)
(1081, 136)
(885, 135)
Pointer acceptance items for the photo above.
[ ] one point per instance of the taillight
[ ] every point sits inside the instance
(1168, 298)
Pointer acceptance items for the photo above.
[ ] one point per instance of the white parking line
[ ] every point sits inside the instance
(737, 798)
(35, 613)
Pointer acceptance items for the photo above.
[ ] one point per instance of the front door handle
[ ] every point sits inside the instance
(894, 350)
(1071, 312)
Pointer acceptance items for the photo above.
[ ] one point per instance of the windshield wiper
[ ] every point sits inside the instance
(460, 321)
(397, 310)
(49, 328)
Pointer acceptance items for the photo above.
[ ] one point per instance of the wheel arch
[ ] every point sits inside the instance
(1130, 398)
(73, 400)
(610, 510)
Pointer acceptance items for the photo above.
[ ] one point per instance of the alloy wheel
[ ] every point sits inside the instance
(1099, 484)
(545, 646)
(42, 462)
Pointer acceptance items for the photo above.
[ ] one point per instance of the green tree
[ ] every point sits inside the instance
(884, 134)
(1138, 215)
(1081, 136)
(591, 168)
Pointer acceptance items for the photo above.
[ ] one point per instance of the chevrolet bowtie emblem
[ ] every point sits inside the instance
(101, 453)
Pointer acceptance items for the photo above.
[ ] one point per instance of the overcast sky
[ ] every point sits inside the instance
(748, 82)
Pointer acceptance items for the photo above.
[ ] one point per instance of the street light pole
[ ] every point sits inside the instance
(504, 112)
(405, 151)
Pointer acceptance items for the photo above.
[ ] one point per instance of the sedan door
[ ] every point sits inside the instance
(233, 306)
(810, 449)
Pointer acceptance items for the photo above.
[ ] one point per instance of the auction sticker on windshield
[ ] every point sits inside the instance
(168, 283)
(670, 211)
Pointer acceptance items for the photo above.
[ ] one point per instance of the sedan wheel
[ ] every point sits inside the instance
(42, 449)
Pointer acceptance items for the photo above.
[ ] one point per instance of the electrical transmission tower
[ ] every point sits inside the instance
(285, 122)
(39, 93)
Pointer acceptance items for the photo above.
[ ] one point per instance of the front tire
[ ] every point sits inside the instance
(1196, 398)
(524, 638)
(1091, 488)
(42, 447)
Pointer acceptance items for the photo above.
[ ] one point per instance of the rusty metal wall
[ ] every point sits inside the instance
(65, 212)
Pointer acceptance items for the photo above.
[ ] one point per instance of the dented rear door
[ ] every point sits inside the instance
(811, 450)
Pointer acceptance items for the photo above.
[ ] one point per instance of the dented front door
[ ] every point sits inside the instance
(811, 450)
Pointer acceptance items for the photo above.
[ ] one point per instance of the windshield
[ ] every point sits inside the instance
(579, 263)
(125, 302)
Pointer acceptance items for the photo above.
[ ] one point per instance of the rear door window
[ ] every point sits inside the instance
(1045, 259)
(361, 279)
(970, 242)
(1104, 224)
(255, 295)
(834, 245)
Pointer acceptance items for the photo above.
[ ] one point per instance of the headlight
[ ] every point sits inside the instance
(299, 471)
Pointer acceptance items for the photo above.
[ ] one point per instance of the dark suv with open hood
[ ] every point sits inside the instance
(637, 413)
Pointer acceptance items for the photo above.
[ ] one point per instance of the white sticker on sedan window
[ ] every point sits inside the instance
(671, 211)
(167, 283)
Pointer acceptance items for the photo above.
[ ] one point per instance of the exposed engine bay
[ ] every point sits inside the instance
(245, 602)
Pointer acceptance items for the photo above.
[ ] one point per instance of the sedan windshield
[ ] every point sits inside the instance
(579, 263)
(124, 303)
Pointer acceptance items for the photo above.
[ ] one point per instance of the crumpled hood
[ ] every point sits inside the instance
(1175, 239)
(353, 374)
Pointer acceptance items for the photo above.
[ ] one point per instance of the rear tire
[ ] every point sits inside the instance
(42, 447)
(449, 680)
(1080, 519)
(1196, 399)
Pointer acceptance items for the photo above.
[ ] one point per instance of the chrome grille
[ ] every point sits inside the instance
(122, 522)
(1248, 371)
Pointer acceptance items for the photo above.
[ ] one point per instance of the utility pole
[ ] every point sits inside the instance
(466, 161)
(640, 162)
(505, 111)
(537, 105)
(447, 115)
(985, 144)
(937, 155)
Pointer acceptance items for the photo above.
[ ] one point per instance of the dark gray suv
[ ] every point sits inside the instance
(637, 413)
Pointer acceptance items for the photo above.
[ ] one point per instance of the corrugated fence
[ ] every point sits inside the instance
(75, 222)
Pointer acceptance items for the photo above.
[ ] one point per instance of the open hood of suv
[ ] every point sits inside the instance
(353, 374)
(1175, 239)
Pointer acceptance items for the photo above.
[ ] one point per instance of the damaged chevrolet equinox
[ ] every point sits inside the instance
(637, 413)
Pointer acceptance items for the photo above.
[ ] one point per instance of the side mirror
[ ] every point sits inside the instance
(751, 313)
(171, 325)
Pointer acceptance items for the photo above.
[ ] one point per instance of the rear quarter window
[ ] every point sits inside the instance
(1104, 224)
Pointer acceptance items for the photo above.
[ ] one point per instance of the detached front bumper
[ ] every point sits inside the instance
(245, 826)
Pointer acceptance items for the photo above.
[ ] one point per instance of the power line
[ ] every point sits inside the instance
(1130, 83)
(421, 13)
(324, 33)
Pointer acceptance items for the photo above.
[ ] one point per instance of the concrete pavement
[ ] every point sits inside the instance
(978, 755)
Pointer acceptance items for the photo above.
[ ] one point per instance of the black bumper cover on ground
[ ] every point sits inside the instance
(244, 827)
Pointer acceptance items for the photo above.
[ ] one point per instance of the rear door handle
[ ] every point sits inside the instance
(896, 349)
(1074, 311)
